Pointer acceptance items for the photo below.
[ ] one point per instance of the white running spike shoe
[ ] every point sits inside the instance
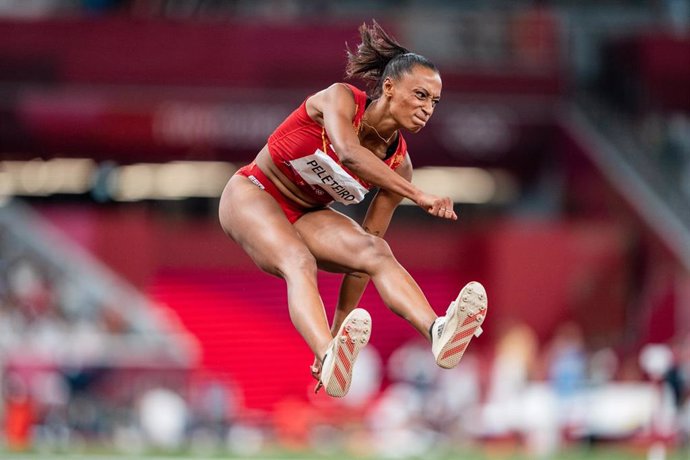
(450, 334)
(336, 370)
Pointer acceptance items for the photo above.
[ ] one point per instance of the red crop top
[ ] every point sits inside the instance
(300, 148)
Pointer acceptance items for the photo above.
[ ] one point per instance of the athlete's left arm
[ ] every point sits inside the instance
(376, 222)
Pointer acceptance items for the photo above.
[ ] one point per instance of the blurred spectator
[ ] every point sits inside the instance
(396, 420)
(453, 405)
(675, 377)
(424, 408)
(163, 417)
(514, 361)
(216, 407)
(409, 364)
(566, 366)
(684, 370)
(603, 366)
(19, 412)
(657, 360)
(246, 439)
(52, 396)
(366, 379)
(674, 148)
(566, 360)
(678, 148)
(29, 8)
(293, 420)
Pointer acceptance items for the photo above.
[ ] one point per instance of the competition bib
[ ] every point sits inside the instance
(323, 171)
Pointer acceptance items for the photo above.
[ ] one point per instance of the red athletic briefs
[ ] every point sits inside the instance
(292, 210)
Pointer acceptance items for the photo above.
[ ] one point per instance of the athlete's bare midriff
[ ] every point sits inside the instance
(284, 184)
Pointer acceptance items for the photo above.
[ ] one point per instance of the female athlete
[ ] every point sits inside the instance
(336, 146)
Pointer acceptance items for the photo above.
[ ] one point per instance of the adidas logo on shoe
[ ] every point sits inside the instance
(339, 361)
(451, 334)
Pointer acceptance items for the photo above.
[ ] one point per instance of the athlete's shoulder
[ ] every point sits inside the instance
(356, 91)
(342, 88)
(341, 97)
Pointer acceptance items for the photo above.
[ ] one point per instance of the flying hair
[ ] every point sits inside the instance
(380, 56)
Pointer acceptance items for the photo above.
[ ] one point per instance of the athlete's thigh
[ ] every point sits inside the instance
(336, 241)
(253, 218)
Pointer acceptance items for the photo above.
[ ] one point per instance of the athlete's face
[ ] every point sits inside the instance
(413, 97)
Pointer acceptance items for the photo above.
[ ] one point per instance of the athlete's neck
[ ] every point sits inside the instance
(378, 121)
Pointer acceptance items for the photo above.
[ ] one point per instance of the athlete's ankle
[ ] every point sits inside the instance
(431, 330)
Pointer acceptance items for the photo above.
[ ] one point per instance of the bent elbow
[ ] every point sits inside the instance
(349, 161)
(348, 157)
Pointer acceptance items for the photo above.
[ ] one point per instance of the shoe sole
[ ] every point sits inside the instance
(470, 311)
(353, 335)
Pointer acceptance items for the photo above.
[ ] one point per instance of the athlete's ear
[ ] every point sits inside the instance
(387, 87)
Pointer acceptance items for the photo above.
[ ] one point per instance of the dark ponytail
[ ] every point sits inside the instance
(379, 56)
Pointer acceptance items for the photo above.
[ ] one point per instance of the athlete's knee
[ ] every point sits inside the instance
(376, 252)
(295, 260)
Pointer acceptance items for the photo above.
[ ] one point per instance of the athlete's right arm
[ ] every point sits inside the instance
(335, 107)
